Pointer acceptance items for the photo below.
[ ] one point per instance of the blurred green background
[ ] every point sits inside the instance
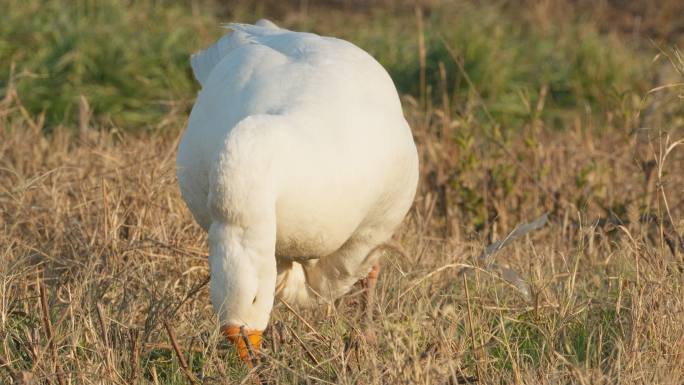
(129, 60)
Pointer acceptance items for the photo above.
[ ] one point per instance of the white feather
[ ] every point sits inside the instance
(298, 161)
(204, 61)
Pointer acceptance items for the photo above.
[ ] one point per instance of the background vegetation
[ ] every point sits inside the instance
(518, 108)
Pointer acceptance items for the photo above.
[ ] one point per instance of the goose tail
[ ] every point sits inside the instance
(203, 62)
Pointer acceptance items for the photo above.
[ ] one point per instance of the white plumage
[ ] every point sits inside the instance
(298, 161)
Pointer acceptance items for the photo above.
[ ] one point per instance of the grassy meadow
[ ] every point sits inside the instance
(518, 108)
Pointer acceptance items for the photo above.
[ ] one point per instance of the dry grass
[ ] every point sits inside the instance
(99, 253)
(97, 221)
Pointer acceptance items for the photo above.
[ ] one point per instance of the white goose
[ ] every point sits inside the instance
(298, 161)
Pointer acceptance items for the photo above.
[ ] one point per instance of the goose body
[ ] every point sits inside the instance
(298, 161)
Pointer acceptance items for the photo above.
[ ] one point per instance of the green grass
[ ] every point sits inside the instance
(130, 60)
(588, 339)
(509, 60)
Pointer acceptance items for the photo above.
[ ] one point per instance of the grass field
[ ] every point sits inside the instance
(518, 109)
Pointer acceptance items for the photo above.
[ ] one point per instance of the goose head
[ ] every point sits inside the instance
(242, 291)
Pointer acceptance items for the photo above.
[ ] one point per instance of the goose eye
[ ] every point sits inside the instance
(254, 300)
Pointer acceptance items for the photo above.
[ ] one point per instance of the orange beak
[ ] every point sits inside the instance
(254, 336)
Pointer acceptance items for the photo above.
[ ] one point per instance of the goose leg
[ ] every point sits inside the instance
(371, 282)
(334, 275)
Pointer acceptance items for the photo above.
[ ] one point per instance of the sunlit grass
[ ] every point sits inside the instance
(543, 117)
